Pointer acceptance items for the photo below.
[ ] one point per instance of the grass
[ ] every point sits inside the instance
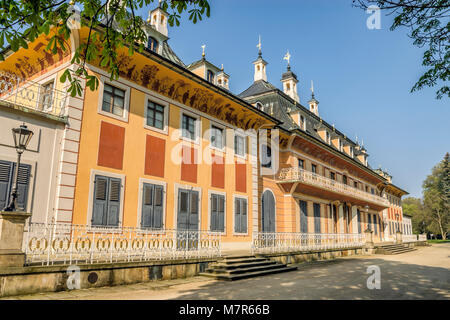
(438, 241)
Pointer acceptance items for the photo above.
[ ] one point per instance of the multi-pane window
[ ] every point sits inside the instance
(217, 207)
(240, 215)
(155, 115)
(344, 179)
(355, 184)
(217, 137)
(301, 164)
(328, 138)
(372, 191)
(152, 206)
(153, 44)
(332, 176)
(239, 145)
(106, 207)
(7, 170)
(351, 151)
(341, 145)
(266, 159)
(314, 168)
(188, 127)
(369, 221)
(113, 100)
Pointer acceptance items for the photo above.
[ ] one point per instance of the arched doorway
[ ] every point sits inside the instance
(268, 212)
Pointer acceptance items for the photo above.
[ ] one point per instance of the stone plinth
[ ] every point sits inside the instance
(398, 237)
(11, 236)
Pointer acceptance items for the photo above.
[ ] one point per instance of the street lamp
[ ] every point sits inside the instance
(22, 137)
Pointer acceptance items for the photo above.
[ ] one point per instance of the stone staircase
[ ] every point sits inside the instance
(393, 249)
(245, 266)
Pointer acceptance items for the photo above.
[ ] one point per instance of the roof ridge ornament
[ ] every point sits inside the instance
(203, 51)
(287, 57)
(259, 46)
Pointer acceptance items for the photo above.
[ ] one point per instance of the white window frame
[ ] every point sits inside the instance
(197, 126)
(211, 192)
(238, 196)
(243, 136)
(95, 172)
(166, 106)
(126, 106)
(303, 127)
(139, 209)
(224, 136)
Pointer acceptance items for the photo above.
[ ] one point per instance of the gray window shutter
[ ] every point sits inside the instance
(375, 224)
(369, 221)
(114, 202)
(100, 201)
(221, 213)
(158, 207)
(193, 212)
(316, 218)
(303, 217)
(237, 215)
(5, 182)
(243, 215)
(183, 203)
(147, 206)
(23, 182)
(358, 214)
(214, 213)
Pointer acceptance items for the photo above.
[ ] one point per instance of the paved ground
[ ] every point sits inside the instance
(421, 274)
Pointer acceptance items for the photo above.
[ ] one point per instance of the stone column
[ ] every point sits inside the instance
(12, 225)
(368, 245)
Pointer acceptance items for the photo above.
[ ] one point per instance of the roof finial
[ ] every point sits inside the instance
(221, 67)
(362, 143)
(259, 46)
(357, 140)
(312, 89)
(203, 51)
(287, 57)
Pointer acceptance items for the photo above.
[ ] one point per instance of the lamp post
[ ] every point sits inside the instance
(22, 137)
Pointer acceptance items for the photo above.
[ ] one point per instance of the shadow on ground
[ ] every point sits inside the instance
(336, 279)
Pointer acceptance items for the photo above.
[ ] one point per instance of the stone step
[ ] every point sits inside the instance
(244, 270)
(249, 274)
(241, 260)
(222, 265)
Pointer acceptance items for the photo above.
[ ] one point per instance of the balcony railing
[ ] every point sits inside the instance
(49, 244)
(32, 95)
(277, 242)
(310, 178)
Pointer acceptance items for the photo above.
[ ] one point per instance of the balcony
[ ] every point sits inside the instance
(298, 175)
(32, 96)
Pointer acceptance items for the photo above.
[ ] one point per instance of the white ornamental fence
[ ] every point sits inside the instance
(422, 237)
(53, 244)
(409, 237)
(32, 95)
(275, 242)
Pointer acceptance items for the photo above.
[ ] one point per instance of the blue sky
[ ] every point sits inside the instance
(362, 78)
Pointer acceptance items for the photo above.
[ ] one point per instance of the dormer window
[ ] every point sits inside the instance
(327, 136)
(341, 145)
(351, 151)
(259, 106)
(210, 76)
(302, 122)
(153, 44)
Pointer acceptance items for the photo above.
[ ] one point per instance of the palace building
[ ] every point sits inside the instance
(168, 146)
